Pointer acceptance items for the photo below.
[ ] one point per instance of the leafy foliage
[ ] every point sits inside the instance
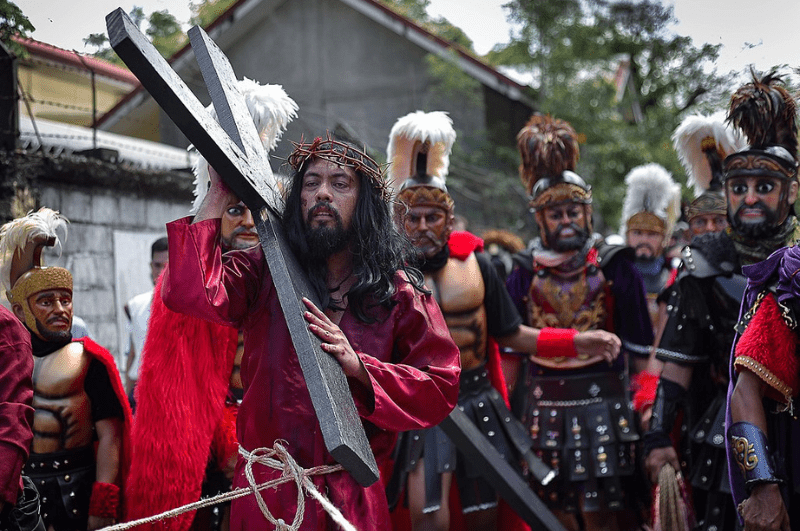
(13, 23)
(207, 11)
(163, 29)
(615, 70)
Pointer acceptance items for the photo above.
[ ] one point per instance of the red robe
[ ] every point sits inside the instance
(412, 363)
(183, 380)
(16, 396)
(103, 356)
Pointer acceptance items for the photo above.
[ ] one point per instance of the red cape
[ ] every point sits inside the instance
(180, 396)
(105, 357)
(462, 245)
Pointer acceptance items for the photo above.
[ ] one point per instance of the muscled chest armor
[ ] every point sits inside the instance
(62, 418)
(577, 301)
(460, 291)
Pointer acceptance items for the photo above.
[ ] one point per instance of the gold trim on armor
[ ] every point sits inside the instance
(707, 203)
(744, 454)
(767, 376)
(561, 193)
(421, 195)
(645, 220)
(752, 161)
(39, 279)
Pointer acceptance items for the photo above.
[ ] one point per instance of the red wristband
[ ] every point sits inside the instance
(104, 501)
(644, 386)
(556, 343)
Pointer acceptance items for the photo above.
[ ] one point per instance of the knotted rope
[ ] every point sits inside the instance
(277, 458)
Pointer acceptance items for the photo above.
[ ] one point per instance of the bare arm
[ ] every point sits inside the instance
(764, 510)
(589, 343)
(218, 198)
(680, 374)
(109, 447)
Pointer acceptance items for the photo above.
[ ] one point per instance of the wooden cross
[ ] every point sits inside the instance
(233, 149)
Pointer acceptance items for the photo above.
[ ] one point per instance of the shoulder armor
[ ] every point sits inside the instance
(523, 259)
(697, 264)
(606, 252)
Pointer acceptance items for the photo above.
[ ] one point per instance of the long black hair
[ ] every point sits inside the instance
(378, 248)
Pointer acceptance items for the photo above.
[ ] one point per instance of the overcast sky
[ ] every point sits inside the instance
(759, 32)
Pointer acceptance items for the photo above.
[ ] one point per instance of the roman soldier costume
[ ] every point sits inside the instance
(76, 384)
(652, 204)
(704, 306)
(702, 144)
(475, 307)
(575, 407)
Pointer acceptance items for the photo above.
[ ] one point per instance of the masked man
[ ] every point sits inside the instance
(79, 401)
(375, 320)
(760, 184)
(575, 405)
(192, 367)
(479, 314)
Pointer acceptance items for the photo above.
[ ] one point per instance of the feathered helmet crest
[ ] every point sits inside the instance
(272, 110)
(767, 115)
(702, 144)
(419, 158)
(21, 244)
(549, 150)
(652, 200)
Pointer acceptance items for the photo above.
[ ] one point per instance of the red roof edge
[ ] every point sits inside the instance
(78, 60)
(465, 54)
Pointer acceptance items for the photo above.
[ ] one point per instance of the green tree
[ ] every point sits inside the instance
(207, 11)
(163, 29)
(13, 23)
(620, 75)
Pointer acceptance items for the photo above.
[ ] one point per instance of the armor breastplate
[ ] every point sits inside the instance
(460, 291)
(577, 301)
(62, 418)
(653, 285)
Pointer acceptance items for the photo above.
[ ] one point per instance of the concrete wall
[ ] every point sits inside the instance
(342, 68)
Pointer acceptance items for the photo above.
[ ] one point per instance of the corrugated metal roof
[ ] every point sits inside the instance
(58, 138)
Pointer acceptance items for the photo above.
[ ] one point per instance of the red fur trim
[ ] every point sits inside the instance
(771, 344)
(183, 380)
(104, 501)
(105, 357)
(225, 443)
(644, 387)
(556, 343)
(462, 244)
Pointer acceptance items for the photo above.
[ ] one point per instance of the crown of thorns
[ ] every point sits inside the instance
(342, 154)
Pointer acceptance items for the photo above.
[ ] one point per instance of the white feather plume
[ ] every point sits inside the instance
(435, 127)
(651, 189)
(688, 138)
(272, 110)
(16, 235)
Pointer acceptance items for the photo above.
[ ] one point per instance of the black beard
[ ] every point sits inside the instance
(645, 257)
(324, 241)
(768, 227)
(50, 335)
(573, 243)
